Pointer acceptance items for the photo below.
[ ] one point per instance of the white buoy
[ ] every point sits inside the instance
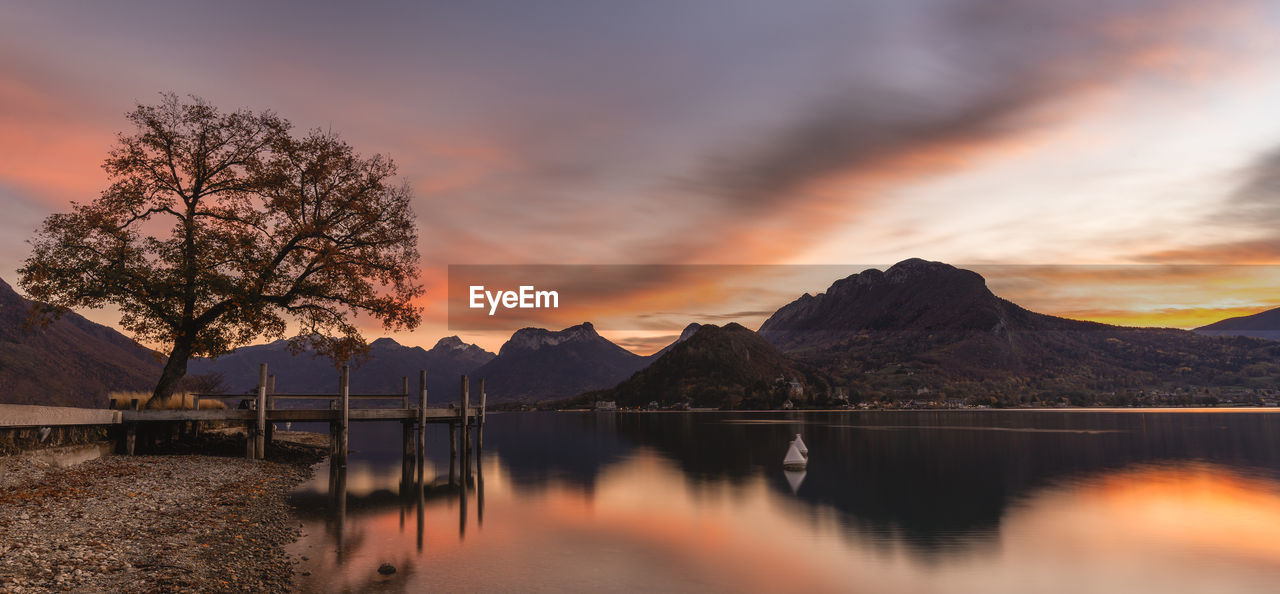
(794, 459)
(804, 449)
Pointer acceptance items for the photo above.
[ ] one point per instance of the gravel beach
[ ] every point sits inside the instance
(159, 523)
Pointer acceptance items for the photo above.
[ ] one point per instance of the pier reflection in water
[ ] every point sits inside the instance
(378, 487)
(1172, 502)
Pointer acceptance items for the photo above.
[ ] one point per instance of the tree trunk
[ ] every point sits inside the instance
(174, 370)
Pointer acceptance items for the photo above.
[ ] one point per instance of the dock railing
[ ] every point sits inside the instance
(258, 412)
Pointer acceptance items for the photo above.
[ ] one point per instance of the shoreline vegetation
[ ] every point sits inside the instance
(195, 517)
(180, 401)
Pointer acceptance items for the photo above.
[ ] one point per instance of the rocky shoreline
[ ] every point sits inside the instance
(178, 521)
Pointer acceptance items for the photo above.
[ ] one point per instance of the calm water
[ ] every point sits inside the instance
(957, 501)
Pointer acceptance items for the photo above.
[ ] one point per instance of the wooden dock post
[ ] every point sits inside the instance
(345, 417)
(465, 449)
(131, 432)
(260, 433)
(480, 457)
(480, 418)
(340, 501)
(422, 512)
(249, 440)
(333, 477)
(422, 426)
(462, 512)
(453, 449)
(195, 425)
(271, 405)
(406, 452)
(406, 435)
(333, 429)
(453, 443)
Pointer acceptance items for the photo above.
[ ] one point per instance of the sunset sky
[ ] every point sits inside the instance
(1133, 136)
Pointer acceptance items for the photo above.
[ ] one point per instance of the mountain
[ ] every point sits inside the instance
(923, 310)
(380, 373)
(719, 366)
(72, 362)
(537, 364)
(913, 296)
(686, 334)
(926, 327)
(1260, 325)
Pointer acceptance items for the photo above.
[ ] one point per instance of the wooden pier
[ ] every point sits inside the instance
(258, 414)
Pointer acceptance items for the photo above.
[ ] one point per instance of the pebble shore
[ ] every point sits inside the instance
(162, 523)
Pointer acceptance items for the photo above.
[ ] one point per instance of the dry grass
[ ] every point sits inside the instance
(176, 402)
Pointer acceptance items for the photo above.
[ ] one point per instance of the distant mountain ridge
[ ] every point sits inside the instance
(382, 373)
(1264, 325)
(72, 362)
(534, 364)
(539, 364)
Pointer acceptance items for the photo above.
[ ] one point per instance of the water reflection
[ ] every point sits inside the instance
(1008, 502)
(795, 478)
(348, 533)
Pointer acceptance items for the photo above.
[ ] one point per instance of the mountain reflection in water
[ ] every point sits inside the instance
(956, 501)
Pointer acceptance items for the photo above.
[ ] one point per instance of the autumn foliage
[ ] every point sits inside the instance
(220, 228)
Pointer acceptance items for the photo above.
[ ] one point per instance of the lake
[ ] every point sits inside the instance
(983, 501)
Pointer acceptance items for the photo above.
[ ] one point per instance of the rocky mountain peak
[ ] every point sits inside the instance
(532, 339)
(915, 269)
(912, 295)
(450, 343)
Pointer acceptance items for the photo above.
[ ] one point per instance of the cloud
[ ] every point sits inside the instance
(966, 81)
(734, 134)
(1257, 200)
(644, 345)
(1259, 251)
(1252, 211)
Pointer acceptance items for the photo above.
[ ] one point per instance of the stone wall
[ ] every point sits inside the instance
(21, 439)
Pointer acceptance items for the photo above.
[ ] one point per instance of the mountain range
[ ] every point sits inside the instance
(71, 362)
(534, 364)
(537, 364)
(380, 373)
(1260, 325)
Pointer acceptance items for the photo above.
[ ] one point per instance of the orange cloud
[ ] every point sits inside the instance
(1262, 251)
